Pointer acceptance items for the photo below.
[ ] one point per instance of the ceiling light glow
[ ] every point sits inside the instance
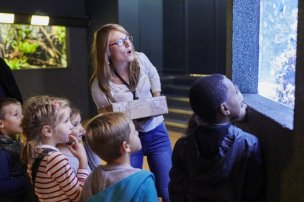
(40, 20)
(7, 18)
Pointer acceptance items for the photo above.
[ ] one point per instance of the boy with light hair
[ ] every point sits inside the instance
(112, 136)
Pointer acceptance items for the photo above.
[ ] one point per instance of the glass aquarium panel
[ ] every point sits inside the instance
(33, 47)
(278, 35)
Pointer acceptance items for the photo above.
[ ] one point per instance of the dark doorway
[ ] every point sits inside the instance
(194, 36)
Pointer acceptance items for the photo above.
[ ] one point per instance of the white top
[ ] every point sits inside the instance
(148, 79)
(73, 161)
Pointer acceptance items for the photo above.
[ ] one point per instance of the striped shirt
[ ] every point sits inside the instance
(55, 179)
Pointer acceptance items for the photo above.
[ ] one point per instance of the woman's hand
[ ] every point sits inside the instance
(156, 94)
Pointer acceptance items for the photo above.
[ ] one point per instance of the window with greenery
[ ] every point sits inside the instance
(33, 47)
(278, 34)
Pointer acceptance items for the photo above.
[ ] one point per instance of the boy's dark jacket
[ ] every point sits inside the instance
(14, 149)
(212, 164)
(17, 169)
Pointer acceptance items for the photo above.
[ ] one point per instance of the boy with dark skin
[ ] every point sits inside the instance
(217, 161)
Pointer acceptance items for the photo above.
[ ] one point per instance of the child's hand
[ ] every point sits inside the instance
(78, 151)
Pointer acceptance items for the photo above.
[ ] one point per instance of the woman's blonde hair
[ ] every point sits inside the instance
(39, 111)
(106, 133)
(101, 62)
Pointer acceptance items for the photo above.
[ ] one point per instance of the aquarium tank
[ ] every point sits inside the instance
(33, 46)
(277, 46)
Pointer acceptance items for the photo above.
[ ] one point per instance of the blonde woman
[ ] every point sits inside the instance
(122, 74)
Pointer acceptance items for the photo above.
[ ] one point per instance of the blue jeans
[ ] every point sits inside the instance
(157, 147)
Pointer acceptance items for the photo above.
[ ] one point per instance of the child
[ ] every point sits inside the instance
(112, 136)
(79, 133)
(13, 179)
(216, 161)
(46, 123)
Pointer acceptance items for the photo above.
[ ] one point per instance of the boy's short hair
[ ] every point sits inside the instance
(206, 95)
(106, 133)
(5, 102)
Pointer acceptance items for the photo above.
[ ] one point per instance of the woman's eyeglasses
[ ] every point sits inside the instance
(121, 42)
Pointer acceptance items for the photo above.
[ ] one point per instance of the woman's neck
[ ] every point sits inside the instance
(120, 73)
(121, 68)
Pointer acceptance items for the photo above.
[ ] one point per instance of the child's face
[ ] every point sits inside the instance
(77, 129)
(243, 111)
(11, 124)
(134, 140)
(63, 129)
(235, 101)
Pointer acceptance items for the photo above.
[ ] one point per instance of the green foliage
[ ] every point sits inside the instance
(24, 47)
(28, 46)
(15, 63)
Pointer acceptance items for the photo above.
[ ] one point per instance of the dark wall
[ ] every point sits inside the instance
(71, 82)
(144, 20)
(101, 12)
(67, 8)
(174, 36)
(195, 36)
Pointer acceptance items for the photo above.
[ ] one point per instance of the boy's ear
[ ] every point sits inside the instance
(1, 124)
(224, 109)
(125, 147)
(47, 131)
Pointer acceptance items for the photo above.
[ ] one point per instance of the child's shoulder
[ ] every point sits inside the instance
(4, 154)
(184, 140)
(54, 160)
(144, 173)
(239, 134)
(55, 153)
(55, 156)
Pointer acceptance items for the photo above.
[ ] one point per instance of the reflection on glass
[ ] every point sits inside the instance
(33, 47)
(278, 34)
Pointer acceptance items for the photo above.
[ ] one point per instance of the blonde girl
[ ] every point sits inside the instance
(79, 133)
(46, 123)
